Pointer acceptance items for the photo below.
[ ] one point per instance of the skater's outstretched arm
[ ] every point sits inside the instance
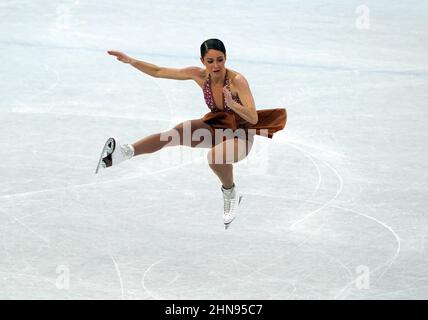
(189, 73)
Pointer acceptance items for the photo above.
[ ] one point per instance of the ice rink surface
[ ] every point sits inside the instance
(334, 206)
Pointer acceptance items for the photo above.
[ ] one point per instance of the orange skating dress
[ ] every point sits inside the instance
(271, 120)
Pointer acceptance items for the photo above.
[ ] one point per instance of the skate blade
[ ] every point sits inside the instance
(227, 225)
(108, 148)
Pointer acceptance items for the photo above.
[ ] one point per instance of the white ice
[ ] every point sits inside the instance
(334, 206)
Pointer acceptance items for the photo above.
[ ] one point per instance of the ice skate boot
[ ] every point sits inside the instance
(114, 153)
(231, 199)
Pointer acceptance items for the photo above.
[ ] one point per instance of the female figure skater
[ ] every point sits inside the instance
(232, 110)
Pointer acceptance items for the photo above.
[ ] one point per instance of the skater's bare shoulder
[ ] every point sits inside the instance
(238, 83)
(236, 78)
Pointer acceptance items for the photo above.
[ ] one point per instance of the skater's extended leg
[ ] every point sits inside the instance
(192, 133)
(149, 144)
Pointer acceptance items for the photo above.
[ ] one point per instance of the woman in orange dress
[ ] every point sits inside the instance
(228, 129)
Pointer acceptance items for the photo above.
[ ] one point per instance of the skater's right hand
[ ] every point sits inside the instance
(120, 56)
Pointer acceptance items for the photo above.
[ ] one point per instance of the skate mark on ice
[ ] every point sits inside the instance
(257, 272)
(165, 93)
(391, 261)
(324, 205)
(276, 261)
(26, 275)
(315, 165)
(38, 94)
(332, 68)
(423, 238)
(385, 265)
(405, 297)
(80, 114)
(84, 185)
(119, 276)
(341, 264)
(13, 3)
(143, 280)
(18, 221)
(336, 261)
(311, 158)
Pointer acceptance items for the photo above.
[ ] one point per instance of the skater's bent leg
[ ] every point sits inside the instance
(221, 157)
(192, 133)
(224, 172)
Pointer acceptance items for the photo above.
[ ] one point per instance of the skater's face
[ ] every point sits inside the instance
(214, 61)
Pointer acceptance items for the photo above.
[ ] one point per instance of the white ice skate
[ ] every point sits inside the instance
(114, 153)
(231, 199)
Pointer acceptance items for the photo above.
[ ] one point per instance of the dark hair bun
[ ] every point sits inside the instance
(215, 44)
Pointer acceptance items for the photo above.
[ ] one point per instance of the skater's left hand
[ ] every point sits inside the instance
(228, 97)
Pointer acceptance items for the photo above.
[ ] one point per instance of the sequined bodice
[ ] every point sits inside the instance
(209, 99)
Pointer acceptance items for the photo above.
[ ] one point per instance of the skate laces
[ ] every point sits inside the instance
(229, 201)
